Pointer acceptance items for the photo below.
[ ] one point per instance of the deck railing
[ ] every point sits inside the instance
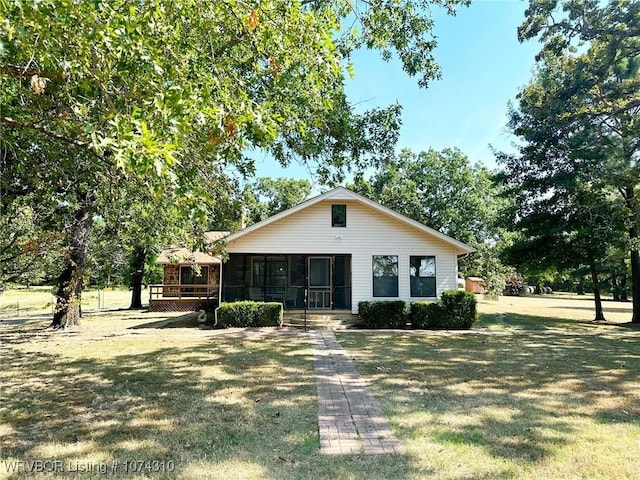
(187, 292)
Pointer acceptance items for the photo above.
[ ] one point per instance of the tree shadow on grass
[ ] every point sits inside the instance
(518, 397)
(607, 308)
(533, 322)
(230, 406)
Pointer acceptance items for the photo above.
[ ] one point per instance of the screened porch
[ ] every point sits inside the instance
(313, 282)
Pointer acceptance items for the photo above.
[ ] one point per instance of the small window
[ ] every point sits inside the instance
(191, 276)
(423, 276)
(385, 275)
(338, 215)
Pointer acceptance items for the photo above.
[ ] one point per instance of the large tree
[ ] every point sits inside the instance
(268, 196)
(30, 246)
(168, 89)
(443, 190)
(62, 197)
(580, 116)
(567, 227)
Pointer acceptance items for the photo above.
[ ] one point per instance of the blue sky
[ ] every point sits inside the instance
(483, 66)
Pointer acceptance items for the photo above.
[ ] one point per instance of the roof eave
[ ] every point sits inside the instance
(346, 194)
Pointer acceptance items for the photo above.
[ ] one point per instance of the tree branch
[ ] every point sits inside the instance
(627, 106)
(19, 72)
(72, 141)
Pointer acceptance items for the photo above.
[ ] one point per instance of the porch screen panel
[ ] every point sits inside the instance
(294, 297)
(269, 278)
(256, 285)
(234, 272)
(277, 279)
(342, 273)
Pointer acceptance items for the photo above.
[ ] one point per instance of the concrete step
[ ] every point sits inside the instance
(339, 320)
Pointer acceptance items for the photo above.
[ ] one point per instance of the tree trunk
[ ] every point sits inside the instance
(623, 282)
(69, 292)
(635, 280)
(615, 288)
(137, 265)
(635, 255)
(619, 282)
(596, 292)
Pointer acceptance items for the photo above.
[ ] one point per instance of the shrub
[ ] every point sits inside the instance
(455, 310)
(270, 314)
(426, 314)
(384, 314)
(250, 314)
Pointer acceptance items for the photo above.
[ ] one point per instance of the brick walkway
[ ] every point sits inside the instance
(349, 419)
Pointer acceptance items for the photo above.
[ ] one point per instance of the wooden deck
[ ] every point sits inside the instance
(183, 298)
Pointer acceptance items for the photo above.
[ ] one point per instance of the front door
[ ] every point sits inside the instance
(320, 283)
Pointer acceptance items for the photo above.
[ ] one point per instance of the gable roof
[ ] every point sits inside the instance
(341, 193)
(215, 235)
(182, 255)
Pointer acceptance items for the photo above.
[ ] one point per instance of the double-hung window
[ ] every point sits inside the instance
(385, 275)
(423, 276)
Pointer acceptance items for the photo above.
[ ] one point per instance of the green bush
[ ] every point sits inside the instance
(384, 314)
(250, 314)
(456, 310)
(426, 314)
(270, 314)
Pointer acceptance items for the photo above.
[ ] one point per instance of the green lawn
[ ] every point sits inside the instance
(535, 405)
(40, 300)
(497, 403)
(552, 312)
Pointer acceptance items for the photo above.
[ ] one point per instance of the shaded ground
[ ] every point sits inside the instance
(560, 402)
(212, 404)
(509, 405)
(541, 312)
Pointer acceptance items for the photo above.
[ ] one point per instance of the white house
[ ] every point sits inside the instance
(335, 250)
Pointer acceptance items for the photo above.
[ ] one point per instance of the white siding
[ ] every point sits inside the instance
(368, 232)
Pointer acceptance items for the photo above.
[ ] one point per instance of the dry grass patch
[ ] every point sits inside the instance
(561, 402)
(216, 404)
(558, 311)
(546, 405)
(40, 301)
